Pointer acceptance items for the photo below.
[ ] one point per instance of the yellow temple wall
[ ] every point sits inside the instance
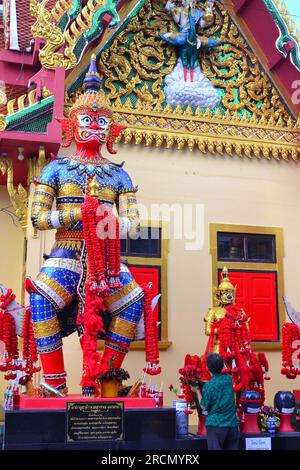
(11, 254)
(11, 247)
(232, 190)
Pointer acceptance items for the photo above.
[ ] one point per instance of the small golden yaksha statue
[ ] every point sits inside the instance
(224, 295)
(227, 327)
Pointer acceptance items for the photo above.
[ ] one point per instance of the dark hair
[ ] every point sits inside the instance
(215, 363)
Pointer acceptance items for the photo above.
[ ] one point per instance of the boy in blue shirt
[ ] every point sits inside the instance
(218, 401)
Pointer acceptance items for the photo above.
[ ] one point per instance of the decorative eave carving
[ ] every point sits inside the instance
(68, 28)
(18, 196)
(211, 133)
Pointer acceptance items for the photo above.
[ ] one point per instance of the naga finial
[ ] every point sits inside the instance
(92, 80)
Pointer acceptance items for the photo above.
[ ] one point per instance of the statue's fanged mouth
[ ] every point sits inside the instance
(90, 134)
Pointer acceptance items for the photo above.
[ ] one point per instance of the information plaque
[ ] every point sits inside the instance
(94, 421)
(258, 443)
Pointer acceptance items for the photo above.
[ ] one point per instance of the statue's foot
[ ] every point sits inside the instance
(47, 391)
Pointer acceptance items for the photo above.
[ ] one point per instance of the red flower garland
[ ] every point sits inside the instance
(8, 335)
(239, 357)
(103, 253)
(29, 353)
(192, 376)
(95, 289)
(151, 335)
(114, 257)
(264, 364)
(8, 327)
(290, 333)
(94, 245)
(92, 323)
(6, 299)
(102, 237)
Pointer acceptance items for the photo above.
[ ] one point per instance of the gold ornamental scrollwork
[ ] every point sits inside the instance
(2, 123)
(64, 45)
(46, 28)
(3, 98)
(19, 196)
(35, 165)
(136, 63)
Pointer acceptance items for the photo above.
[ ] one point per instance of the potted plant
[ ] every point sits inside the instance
(268, 419)
(111, 380)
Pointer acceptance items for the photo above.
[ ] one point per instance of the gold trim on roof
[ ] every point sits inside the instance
(3, 97)
(23, 101)
(256, 137)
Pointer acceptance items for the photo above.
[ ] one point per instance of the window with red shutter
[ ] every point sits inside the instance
(254, 258)
(257, 294)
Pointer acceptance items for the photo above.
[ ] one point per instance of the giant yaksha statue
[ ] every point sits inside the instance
(82, 283)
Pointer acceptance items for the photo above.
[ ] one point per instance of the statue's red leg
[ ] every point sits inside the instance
(113, 356)
(185, 73)
(53, 368)
(192, 75)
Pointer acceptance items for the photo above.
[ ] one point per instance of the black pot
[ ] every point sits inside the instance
(284, 402)
(250, 401)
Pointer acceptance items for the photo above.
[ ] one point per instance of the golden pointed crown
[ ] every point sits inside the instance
(225, 284)
(93, 98)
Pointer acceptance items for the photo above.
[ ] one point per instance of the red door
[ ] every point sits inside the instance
(146, 274)
(257, 295)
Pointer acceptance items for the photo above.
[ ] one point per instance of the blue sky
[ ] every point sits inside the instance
(294, 9)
